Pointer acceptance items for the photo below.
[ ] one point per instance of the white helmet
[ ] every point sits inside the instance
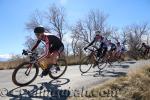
(97, 32)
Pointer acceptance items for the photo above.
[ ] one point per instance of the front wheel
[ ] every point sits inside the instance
(25, 74)
(58, 70)
(86, 64)
(102, 63)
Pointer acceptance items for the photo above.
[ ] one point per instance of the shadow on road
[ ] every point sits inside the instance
(113, 74)
(44, 91)
(130, 62)
(106, 73)
(120, 66)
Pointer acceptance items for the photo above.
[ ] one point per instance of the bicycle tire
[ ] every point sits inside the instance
(86, 60)
(102, 64)
(64, 65)
(15, 81)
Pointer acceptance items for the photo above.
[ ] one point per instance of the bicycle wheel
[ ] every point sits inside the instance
(58, 70)
(102, 64)
(25, 73)
(86, 64)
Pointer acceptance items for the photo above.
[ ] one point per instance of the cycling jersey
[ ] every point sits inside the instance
(120, 48)
(146, 46)
(147, 49)
(102, 47)
(112, 47)
(52, 43)
(103, 42)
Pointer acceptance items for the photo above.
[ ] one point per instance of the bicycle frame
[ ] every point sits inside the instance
(33, 59)
(92, 54)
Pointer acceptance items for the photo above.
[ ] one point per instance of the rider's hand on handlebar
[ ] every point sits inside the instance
(85, 48)
(24, 52)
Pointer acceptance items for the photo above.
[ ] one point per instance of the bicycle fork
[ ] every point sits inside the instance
(28, 70)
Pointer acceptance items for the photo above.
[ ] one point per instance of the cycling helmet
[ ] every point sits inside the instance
(97, 32)
(118, 43)
(39, 29)
(143, 43)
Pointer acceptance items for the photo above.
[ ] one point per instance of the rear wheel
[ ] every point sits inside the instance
(58, 70)
(86, 64)
(25, 74)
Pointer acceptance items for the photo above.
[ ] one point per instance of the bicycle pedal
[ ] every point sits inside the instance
(41, 75)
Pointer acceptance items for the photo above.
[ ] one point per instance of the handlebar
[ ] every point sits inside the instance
(90, 50)
(94, 48)
(27, 52)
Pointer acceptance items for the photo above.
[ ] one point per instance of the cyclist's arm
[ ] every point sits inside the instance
(35, 46)
(46, 49)
(91, 43)
(141, 47)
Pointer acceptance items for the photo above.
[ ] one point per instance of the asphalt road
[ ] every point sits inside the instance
(70, 84)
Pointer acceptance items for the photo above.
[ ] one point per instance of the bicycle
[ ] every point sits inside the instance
(145, 54)
(91, 60)
(30, 69)
(117, 57)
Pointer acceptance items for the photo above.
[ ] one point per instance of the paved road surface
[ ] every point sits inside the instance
(72, 82)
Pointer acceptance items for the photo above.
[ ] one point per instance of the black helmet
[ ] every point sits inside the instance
(118, 43)
(143, 43)
(39, 29)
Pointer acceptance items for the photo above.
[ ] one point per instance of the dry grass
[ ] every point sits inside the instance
(9, 64)
(71, 60)
(135, 86)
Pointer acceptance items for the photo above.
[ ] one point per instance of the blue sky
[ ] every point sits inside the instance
(15, 13)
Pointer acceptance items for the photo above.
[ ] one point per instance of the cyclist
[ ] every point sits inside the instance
(112, 49)
(54, 47)
(103, 46)
(120, 50)
(147, 48)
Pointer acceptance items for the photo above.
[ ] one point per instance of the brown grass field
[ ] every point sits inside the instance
(134, 86)
(71, 60)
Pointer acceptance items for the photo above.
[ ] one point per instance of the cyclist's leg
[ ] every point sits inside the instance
(113, 52)
(104, 52)
(99, 52)
(46, 63)
(60, 51)
(147, 51)
(117, 54)
(123, 55)
(144, 53)
(49, 61)
(55, 54)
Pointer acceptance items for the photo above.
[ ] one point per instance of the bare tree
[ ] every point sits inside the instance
(53, 21)
(78, 35)
(29, 43)
(56, 20)
(67, 49)
(84, 30)
(36, 19)
(134, 35)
